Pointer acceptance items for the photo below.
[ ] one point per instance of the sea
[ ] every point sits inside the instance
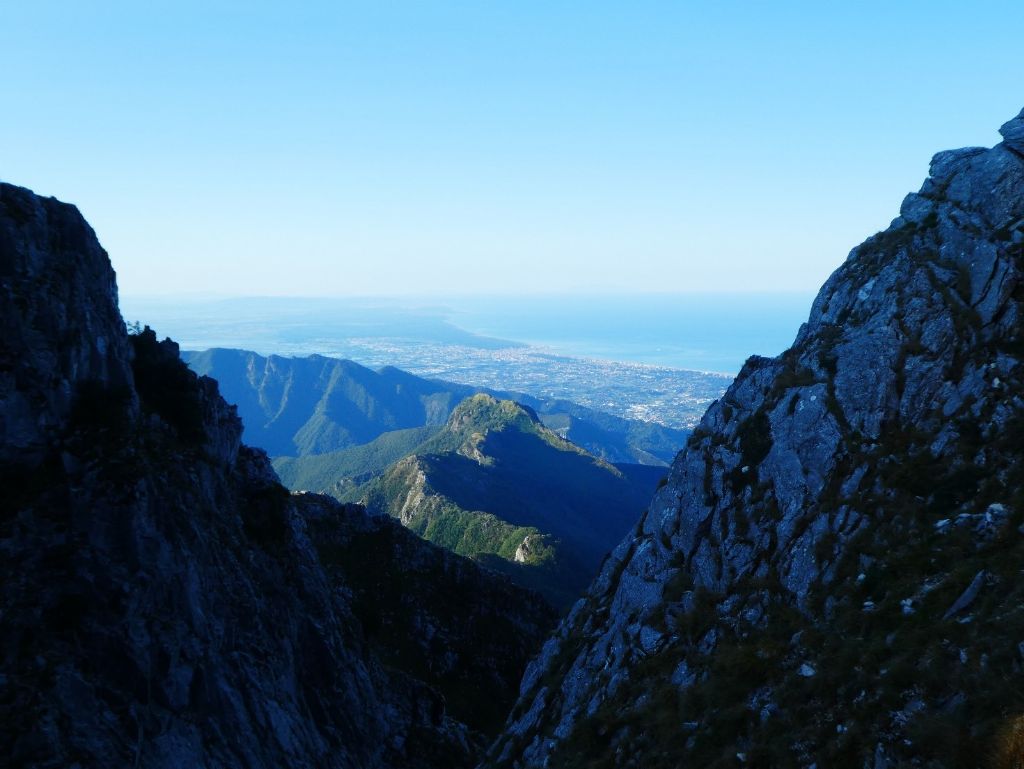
(701, 332)
(698, 332)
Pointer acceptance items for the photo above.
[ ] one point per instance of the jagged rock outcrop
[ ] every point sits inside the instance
(166, 602)
(1013, 134)
(797, 594)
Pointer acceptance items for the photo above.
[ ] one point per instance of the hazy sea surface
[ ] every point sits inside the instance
(701, 332)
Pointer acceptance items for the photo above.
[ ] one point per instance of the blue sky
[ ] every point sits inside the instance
(443, 148)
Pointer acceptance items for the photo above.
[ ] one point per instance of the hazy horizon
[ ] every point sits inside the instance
(712, 332)
(441, 297)
(433, 148)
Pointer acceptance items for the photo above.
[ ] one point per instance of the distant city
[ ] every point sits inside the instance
(668, 396)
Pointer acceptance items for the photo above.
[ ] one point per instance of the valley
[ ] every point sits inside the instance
(533, 494)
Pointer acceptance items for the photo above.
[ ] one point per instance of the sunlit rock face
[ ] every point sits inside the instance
(798, 593)
(167, 603)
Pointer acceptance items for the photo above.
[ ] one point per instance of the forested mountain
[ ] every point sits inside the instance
(496, 484)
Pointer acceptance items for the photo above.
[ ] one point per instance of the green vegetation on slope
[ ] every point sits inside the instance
(401, 493)
(339, 473)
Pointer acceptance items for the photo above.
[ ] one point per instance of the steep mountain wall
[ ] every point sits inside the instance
(166, 602)
(831, 576)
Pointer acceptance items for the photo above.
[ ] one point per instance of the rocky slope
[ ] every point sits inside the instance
(497, 485)
(832, 575)
(316, 405)
(166, 602)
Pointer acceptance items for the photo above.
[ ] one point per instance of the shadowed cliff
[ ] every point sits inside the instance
(167, 602)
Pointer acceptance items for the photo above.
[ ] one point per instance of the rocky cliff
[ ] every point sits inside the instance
(166, 602)
(832, 575)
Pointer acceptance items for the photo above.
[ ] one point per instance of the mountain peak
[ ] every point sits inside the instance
(483, 418)
(482, 413)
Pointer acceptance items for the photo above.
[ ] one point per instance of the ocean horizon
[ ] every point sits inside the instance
(697, 332)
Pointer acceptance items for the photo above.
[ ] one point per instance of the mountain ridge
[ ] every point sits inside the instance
(316, 404)
(496, 482)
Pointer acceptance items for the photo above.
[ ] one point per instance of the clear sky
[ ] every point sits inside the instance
(442, 148)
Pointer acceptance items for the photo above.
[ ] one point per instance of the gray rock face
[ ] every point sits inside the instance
(799, 522)
(166, 602)
(1013, 133)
